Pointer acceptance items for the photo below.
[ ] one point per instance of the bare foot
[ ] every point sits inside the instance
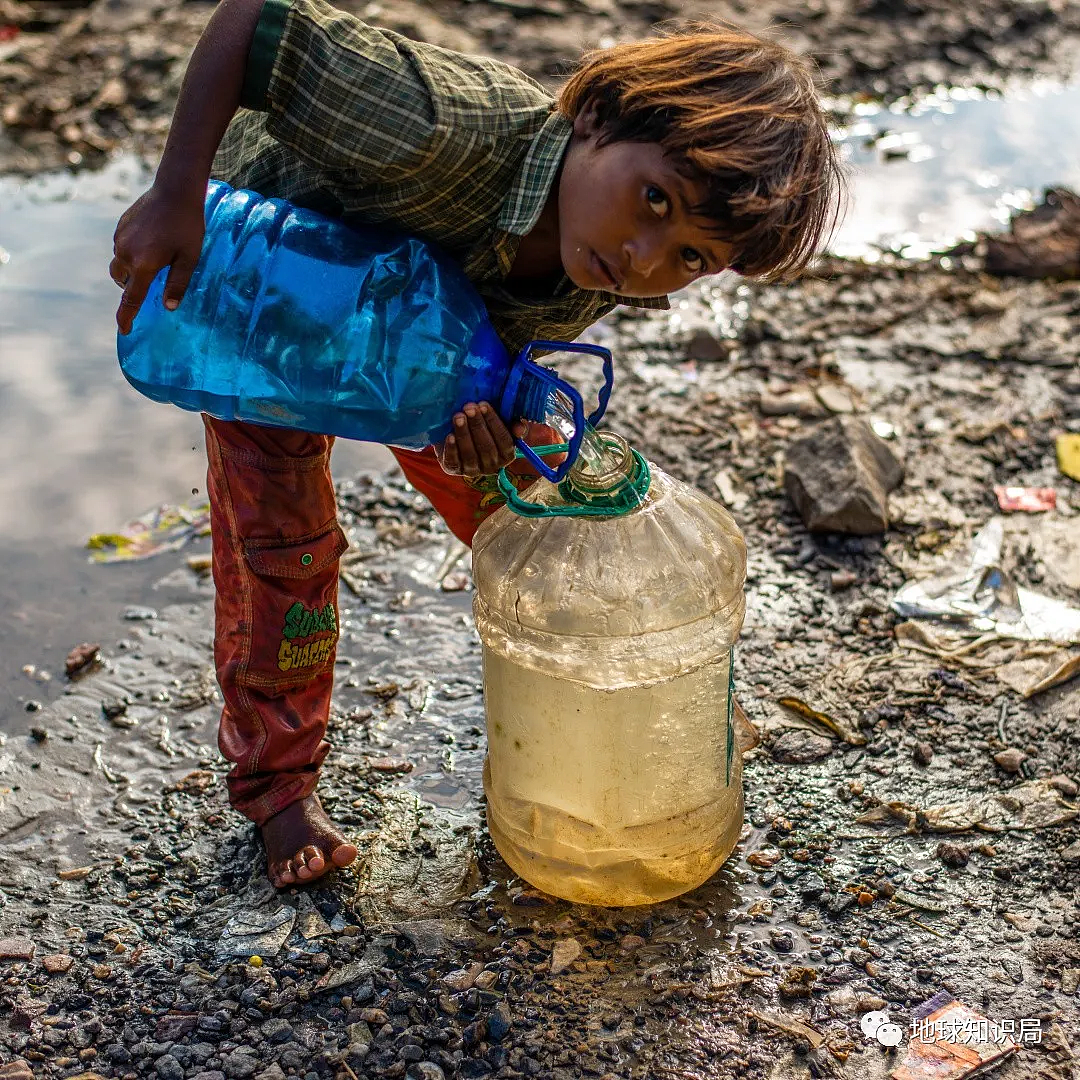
(302, 844)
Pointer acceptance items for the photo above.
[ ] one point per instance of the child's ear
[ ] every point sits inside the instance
(587, 123)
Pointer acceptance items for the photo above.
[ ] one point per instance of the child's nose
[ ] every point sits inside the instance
(643, 256)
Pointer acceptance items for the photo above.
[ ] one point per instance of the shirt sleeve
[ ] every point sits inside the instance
(341, 94)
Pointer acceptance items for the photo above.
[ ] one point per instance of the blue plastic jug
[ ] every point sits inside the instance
(293, 319)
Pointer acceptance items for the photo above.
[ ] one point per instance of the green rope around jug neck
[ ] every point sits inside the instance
(604, 504)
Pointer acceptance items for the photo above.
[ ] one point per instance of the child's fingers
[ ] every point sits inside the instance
(482, 440)
(500, 435)
(470, 466)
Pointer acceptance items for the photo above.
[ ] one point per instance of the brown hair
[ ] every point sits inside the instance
(738, 113)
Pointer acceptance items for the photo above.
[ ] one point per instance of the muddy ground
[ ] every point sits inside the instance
(132, 895)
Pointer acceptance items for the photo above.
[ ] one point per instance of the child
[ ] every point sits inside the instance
(660, 162)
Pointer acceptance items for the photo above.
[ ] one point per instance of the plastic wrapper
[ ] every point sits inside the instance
(982, 597)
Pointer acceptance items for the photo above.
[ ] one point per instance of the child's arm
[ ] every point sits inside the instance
(165, 226)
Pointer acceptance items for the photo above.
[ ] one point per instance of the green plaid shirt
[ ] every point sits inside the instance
(365, 124)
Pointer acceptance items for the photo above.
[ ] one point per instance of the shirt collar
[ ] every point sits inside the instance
(525, 202)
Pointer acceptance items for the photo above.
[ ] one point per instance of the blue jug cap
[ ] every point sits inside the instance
(531, 388)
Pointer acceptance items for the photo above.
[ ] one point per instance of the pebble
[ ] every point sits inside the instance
(16, 948)
(139, 614)
(923, 753)
(16, 1070)
(168, 1068)
(498, 1022)
(800, 747)
(1065, 785)
(1011, 759)
(563, 954)
(58, 963)
(426, 1070)
(954, 855)
(239, 1065)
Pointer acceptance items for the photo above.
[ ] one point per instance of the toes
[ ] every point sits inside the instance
(315, 859)
(343, 854)
(310, 863)
(282, 874)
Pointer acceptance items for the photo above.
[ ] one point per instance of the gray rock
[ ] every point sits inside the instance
(239, 1065)
(168, 1068)
(277, 1030)
(425, 1070)
(275, 1072)
(839, 476)
(799, 747)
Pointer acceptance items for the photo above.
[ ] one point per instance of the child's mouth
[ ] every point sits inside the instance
(600, 268)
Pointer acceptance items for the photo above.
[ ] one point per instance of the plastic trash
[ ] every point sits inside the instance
(293, 319)
(982, 597)
(608, 607)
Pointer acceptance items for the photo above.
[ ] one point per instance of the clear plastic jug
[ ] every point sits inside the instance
(612, 774)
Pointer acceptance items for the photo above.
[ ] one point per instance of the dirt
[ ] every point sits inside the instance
(429, 957)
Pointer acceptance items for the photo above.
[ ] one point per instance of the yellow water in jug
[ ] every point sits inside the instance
(612, 776)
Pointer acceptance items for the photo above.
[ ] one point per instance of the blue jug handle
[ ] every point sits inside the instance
(543, 382)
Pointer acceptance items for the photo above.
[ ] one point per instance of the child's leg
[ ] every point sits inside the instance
(276, 545)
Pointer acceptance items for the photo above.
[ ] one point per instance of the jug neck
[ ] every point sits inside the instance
(607, 475)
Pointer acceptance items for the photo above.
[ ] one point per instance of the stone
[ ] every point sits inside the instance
(57, 963)
(499, 1022)
(274, 1072)
(954, 855)
(16, 1070)
(168, 1068)
(1071, 853)
(563, 954)
(839, 476)
(1065, 784)
(923, 753)
(708, 346)
(16, 948)
(800, 747)
(240, 1064)
(425, 1070)
(277, 1030)
(1011, 759)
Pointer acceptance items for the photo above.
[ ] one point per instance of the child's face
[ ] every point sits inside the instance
(624, 218)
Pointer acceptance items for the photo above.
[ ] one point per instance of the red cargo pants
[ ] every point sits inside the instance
(276, 546)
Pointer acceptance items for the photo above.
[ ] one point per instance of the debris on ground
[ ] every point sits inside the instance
(980, 596)
(165, 528)
(1027, 500)
(1041, 243)
(839, 477)
(1033, 805)
(80, 658)
(951, 1041)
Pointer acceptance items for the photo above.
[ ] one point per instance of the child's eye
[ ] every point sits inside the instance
(693, 260)
(657, 200)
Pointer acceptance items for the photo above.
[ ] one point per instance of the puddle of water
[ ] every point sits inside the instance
(929, 173)
(84, 452)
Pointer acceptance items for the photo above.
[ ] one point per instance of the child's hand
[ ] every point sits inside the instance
(480, 443)
(162, 228)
